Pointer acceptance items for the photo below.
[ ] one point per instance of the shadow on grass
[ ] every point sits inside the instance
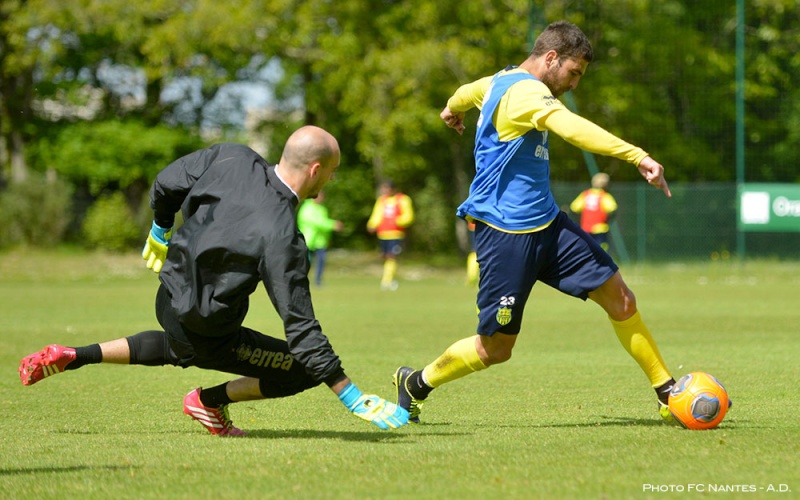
(606, 422)
(366, 436)
(376, 437)
(66, 469)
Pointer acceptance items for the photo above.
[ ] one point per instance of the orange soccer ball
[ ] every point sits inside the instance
(698, 401)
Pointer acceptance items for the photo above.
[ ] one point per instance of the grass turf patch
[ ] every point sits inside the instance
(569, 416)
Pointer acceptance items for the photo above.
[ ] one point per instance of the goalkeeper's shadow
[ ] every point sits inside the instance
(369, 436)
(320, 434)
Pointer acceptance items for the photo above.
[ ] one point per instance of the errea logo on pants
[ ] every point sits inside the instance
(266, 359)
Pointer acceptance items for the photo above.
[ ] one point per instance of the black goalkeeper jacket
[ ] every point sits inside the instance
(239, 229)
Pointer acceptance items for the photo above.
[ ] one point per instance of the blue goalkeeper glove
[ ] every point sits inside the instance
(373, 409)
(155, 248)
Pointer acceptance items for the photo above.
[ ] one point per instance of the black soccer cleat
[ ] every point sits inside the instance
(404, 397)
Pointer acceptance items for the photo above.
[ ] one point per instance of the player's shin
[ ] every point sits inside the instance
(389, 272)
(636, 339)
(86, 355)
(459, 360)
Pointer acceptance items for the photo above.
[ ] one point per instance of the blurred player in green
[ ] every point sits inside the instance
(521, 235)
(391, 215)
(317, 226)
(596, 208)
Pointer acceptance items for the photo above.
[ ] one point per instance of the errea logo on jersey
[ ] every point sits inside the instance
(542, 153)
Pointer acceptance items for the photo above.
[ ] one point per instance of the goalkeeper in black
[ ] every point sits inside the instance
(239, 230)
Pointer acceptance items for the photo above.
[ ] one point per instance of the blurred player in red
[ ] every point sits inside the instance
(391, 216)
(596, 207)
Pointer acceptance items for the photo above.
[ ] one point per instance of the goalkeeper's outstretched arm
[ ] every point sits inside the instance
(385, 414)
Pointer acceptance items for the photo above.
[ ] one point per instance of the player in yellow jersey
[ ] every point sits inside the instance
(596, 207)
(521, 236)
(391, 215)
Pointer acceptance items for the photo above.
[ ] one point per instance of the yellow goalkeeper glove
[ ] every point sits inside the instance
(386, 415)
(155, 248)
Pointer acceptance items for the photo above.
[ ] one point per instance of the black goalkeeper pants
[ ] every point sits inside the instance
(245, 352)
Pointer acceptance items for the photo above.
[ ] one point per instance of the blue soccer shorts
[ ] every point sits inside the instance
(391, 248)
(562, 255)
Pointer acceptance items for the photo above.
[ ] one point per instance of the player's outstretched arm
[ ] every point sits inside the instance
(653, 172)
(385, 414)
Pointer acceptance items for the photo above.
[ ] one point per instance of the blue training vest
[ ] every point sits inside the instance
(511, 188)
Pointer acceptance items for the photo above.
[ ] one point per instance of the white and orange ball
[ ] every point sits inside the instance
(698, 401)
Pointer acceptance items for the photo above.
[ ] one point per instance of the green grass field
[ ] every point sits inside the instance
(570, 416)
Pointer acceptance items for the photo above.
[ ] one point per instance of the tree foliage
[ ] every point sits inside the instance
(113, 154)
(104, 91)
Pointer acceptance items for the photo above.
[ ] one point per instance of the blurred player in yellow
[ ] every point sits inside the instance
(392, 214)
(596, 207)
(473, 269)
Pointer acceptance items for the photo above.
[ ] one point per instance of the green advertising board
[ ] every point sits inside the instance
(769, 207)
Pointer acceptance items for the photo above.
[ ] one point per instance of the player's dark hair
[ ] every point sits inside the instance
(566, 39)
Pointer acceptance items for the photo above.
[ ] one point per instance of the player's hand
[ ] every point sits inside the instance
(155, 248)
(371, 408)
(653, 172)
(453, 120)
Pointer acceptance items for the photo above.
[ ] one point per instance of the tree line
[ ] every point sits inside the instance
(97, 96)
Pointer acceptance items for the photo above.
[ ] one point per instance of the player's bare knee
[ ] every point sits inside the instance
(497, 356)
(622, 309)
(495, 349)
(619, 304)
(628, 306)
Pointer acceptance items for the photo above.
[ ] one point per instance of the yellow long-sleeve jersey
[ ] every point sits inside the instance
(529, 104)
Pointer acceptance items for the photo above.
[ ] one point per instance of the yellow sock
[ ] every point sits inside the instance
(636, 339)
(459, 360)
(472, 268)
(389, 270)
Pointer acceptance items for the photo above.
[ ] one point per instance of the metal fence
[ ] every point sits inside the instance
(698, 222)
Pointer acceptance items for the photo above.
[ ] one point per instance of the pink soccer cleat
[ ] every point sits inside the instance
(49, 361)
(216, 420)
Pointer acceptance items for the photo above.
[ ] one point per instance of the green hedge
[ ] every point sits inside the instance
(35, 212)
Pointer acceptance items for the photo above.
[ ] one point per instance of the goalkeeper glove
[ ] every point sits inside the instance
(373, 408)
(155, 248)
